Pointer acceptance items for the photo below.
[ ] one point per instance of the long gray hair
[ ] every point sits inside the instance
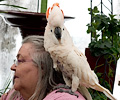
(45, 67)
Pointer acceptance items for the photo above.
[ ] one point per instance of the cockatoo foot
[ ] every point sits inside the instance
(61, 86)
(67, 91)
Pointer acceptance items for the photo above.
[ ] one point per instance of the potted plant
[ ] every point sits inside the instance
(104, 45)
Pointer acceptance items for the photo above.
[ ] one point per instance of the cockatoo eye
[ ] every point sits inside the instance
(51, 30)
(63, 29)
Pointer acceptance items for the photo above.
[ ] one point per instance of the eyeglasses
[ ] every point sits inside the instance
(17, 62)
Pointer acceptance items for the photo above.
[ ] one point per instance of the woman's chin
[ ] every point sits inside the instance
(16, 86)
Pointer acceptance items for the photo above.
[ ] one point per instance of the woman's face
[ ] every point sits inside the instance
(26, 72)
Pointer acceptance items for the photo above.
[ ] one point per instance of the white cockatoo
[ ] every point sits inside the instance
(74, 66)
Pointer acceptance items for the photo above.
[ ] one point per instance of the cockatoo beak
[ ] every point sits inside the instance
(57, 32)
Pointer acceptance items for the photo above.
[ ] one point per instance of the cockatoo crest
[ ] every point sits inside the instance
(55, 17)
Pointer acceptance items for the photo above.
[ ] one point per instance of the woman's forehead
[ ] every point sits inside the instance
(25, 50)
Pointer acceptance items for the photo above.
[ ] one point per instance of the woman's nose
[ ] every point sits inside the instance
(13, 67)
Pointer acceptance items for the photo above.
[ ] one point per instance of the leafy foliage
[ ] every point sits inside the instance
(96, 95)
(105, 39)
(104, 33)
(6, 87)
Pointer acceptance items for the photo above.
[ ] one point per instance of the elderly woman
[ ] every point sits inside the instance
(34, 76)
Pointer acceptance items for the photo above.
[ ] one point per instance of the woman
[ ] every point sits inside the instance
(34, 76)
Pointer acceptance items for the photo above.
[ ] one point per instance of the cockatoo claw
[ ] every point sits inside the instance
(61, 86)
(67, 91)
(64, 88)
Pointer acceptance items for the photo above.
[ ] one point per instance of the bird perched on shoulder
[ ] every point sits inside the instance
(74, 66)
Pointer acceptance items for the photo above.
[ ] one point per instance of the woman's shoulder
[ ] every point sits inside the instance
(6, 95)
(54, 95)
(11, 93)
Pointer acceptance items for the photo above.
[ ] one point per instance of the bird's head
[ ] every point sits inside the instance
(55, 18)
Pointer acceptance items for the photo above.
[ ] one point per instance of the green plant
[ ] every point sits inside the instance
(6, 86)
(43, 6)
(104, 34)
(11, 5)
(105, 39)
(96, 95)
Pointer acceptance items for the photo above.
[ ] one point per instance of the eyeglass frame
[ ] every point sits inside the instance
(16, 61)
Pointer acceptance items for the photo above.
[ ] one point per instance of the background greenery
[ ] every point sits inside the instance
(105, 40)
(104, 33)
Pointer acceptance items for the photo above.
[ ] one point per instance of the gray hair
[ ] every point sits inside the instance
(45, 66)
(48, 77)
